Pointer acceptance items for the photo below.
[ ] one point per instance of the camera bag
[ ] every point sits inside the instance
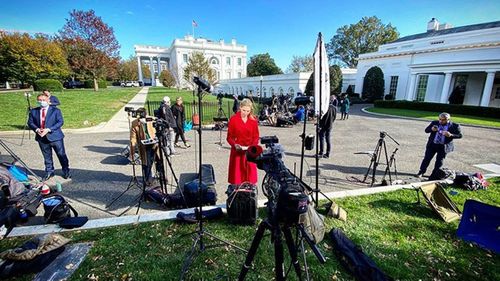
(56, 209)
(241, 204)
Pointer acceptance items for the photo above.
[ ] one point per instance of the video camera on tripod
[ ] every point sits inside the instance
(134, 113)
(287, 201)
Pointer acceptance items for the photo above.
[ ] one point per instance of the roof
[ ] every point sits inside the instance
(453, 30)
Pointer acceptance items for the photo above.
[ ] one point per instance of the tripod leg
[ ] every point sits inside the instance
(293, 251)
(279, 265)
(253, 249)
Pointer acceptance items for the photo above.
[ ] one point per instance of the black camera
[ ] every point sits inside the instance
(202, 83)
(287, 199)
(220, 96)
(303, 100)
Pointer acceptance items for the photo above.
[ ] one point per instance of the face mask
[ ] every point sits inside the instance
(43, 103)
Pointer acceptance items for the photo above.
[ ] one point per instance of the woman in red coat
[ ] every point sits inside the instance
(243, 131)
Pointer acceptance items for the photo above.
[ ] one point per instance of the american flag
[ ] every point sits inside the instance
(194, 23)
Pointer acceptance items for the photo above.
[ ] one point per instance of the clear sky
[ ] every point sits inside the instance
(282, 28)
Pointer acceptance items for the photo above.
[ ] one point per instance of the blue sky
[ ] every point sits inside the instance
(281, 28)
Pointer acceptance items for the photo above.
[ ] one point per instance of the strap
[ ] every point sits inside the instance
(75, 213)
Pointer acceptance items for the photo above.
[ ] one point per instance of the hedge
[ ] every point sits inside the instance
(492, 112)
(89, 84)
(52, 85)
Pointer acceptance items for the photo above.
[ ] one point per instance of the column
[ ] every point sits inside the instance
(488, 86)
(411, 89)
(159, 65)
(151, 69)
(446, 87)
(139, 69)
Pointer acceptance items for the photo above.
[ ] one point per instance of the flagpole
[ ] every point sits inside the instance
(192, 26)
(319, 115)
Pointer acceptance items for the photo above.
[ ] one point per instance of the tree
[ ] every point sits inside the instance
(373, 84)
(90, 44)
(167, 79)
(349, 90)
(335, 80)
(25, 58)
(198, 66)
(309, 91)
(301, 64)
(362, 37)
(262, 64)
(127, 69)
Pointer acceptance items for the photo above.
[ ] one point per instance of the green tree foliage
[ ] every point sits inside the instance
(362, 37)
(127, 69)
(301, 64)
(90, 44)
(335, 80)
(167, 79)
(198, 66)
(262, 64)
(373, 84)
(25, 58)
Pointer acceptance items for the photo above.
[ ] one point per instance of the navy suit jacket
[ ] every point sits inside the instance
(454, 130)
(53, 121)
(54, 101)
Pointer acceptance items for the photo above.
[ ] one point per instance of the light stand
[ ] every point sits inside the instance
(134, 182)
(17, 159)
(199, 234)
(28, 110)
(219, 120)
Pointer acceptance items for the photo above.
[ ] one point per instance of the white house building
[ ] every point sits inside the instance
(429, 66)
(227, 59)
(290, 83)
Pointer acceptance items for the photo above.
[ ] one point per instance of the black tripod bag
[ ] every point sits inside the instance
(352, 258)
(241, 204)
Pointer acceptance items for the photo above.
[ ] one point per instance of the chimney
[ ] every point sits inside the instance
(433, 25)
(233, 41)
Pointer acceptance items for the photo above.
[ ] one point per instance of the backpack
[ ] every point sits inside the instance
(241, 204)
(56, 209)
(442, 174)
(468, 182)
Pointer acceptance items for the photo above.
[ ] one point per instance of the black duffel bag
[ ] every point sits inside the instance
(57, 209)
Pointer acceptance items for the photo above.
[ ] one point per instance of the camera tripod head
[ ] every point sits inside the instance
(384, 134)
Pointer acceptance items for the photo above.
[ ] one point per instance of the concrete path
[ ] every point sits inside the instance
(119, 122)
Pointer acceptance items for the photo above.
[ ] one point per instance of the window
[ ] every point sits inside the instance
(272, 91)
(422, 87)
(280, 90)
(228, 61)
(239, 74)
(185, 58)
(239, 61)
(497, 93)
(394, 86)
(214, 60)
(291, 91)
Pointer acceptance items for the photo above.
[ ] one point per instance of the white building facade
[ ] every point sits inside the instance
(290, 83)
(430, 66)
(227, 59)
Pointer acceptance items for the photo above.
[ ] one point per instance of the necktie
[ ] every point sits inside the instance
(42, 125)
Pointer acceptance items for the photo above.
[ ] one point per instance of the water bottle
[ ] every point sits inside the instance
(22, 214)
(58, 187)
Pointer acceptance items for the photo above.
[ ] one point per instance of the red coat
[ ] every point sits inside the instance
(244, 134)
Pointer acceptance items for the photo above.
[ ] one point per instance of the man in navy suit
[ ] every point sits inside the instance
(442, 133)
(47, 121)
(53, 100)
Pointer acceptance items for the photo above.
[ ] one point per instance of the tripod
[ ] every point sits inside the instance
(198, 243)
(134, 182)
(278, 229)
(28, 110)
(219, 121)
(17, 159)
(375, 159)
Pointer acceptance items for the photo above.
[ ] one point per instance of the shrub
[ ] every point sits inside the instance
(52, 85)
(102, 84)
(167, 79)
(349, 90)
(89, 84)
(373, 84)
(492, 112)
(389, 97)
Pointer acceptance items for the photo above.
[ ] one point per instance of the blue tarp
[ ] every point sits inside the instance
(481, 224)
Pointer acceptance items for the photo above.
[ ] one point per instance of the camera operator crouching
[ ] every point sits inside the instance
(165, 113)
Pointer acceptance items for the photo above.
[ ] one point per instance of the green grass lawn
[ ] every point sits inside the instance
(407, 241)
(80, 108)
(429, 115)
